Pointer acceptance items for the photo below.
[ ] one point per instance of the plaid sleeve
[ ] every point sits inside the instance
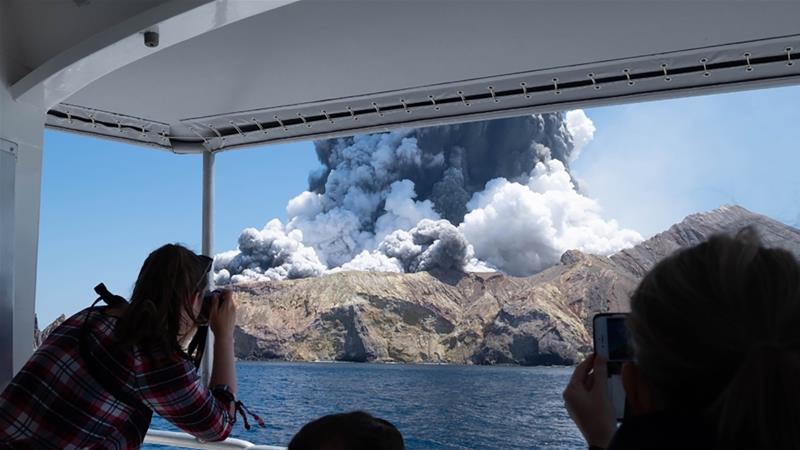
(177, 394)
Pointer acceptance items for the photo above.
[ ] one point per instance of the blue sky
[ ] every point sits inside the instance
(106, 205)
(651, 164)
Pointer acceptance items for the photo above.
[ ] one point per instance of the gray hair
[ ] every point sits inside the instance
(716, 330)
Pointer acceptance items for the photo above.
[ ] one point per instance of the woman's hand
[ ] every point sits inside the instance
(588, 403)
(222, 318)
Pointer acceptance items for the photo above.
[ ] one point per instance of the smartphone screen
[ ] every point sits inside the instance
(611, 342)
(618, 347)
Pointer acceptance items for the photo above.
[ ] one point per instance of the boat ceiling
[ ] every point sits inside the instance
(323, 68)
(39, 31)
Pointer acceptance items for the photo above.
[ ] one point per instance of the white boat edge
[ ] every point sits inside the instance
(184, 440)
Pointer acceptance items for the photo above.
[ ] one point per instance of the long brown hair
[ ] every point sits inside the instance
(163, 295)
(716, 330)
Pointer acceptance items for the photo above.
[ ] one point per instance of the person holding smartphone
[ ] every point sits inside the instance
(715, 332)
(97, 379)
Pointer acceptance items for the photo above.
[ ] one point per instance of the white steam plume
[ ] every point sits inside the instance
(391, 202)
(523, 228)
(582, 130)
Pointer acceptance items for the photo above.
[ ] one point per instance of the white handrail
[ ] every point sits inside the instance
(183, 440)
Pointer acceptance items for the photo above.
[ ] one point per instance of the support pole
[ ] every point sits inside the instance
(208, 249)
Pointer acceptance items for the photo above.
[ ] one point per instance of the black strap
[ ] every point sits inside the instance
(110, 299)
(243, 411)
(96, 371)
(197, 345)
(223, 391)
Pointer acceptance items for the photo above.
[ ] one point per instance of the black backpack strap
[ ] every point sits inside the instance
(110, 299)
(197, 345)
(99, 373)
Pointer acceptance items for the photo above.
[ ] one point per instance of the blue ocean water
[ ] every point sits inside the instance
(433, 406)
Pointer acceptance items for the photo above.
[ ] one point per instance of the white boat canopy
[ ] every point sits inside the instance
(233, 73)
(313, 68)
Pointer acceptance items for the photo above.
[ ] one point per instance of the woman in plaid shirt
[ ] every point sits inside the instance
(98, 378)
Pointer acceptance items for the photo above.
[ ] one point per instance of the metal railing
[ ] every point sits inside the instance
(183, 440)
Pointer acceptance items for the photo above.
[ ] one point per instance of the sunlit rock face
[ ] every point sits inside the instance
(434, 317)
(447, 316)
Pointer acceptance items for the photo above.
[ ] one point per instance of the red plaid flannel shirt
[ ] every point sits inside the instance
(54, 403)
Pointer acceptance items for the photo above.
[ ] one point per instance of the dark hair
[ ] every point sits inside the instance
(348, 431)
(716, 330)
(163, 294)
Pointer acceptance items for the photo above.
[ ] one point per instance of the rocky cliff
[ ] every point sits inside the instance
(430, 317)
(475, 318)
(699, 227)
(40, 336)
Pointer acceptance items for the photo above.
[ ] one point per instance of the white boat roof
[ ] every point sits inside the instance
(314, 68)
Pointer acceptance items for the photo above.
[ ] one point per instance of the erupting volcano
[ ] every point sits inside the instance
(475, 197)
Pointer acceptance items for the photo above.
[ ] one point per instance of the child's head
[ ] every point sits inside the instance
(348, 431)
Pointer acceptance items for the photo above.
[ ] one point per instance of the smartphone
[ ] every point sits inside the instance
(611, 342)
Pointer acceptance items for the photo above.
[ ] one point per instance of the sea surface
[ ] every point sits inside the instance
(433, 406)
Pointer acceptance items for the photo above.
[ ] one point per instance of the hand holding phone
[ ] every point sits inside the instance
(587, 402)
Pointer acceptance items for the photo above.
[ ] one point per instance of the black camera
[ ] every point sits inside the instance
(205, 308)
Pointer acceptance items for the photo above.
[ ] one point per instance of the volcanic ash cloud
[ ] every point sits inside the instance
(493, 195)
